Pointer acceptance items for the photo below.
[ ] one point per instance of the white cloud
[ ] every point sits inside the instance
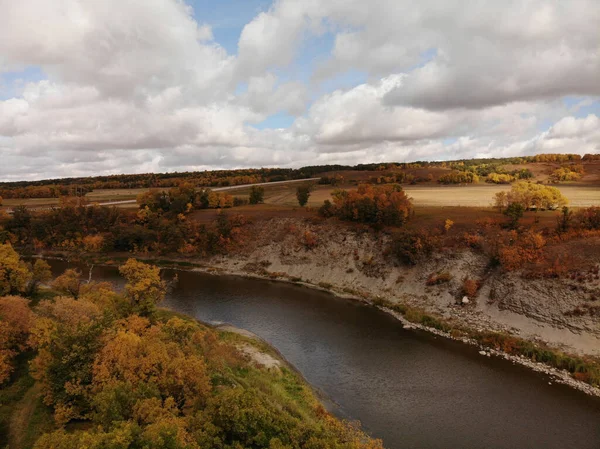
(142, 85)
(264, 95)
(121, 47)
(571, 127)
(357, 116)
(488, 53)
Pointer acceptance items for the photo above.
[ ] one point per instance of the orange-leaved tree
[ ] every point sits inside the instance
(380, 205)
(16, 320)
(68, 283)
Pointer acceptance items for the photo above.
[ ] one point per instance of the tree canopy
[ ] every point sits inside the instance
(160, 381)
(531, 196)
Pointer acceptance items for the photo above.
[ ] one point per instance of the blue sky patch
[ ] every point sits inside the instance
(276, 121)
(12, 83)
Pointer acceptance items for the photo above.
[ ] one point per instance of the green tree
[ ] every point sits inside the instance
(564, 219)
(514, 212)
(303, 194)
(20, 224)
(257, 194)
(40, 273)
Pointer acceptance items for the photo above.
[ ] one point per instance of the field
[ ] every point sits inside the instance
(431, 195)
(280, 198)
(482, 195)
(102, 195)
(29, 202)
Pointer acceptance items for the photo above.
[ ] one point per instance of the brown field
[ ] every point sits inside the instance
(29, 202)
(254, 212)
(100, 195)
(482, 195)
(428, 217)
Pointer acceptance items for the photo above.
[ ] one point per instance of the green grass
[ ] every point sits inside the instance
(284, 386)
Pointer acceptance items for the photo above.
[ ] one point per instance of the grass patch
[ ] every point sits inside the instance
(41, 421)
(586, 369)
(439, 278)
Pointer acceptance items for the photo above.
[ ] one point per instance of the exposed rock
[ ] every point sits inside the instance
(356, 264)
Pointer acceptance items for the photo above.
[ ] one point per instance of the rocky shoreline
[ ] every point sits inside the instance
(559, 376)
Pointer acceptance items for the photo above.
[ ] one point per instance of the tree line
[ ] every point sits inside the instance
(54, 188)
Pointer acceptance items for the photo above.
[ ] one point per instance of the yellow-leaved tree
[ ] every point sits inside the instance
(68, 283)
(14, 273)
(144, 288)
(531, 196)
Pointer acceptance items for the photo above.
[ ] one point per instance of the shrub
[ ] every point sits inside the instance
(237, 201)
(470, 287)
(514, 212)
(438, 278)
(257, 194)
(497, 178)
(515, 250)
(524, 173)
(409, 247)
(589, 218)
(567, 173)
(379, 205)
(327, 209)
(459, 177)
(302, 194)
(448, 225)
(309, 240)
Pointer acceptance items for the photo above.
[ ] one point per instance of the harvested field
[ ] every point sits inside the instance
(482, 195)
(113, 194)
(254, 212)
(29, 202)
(428, 217)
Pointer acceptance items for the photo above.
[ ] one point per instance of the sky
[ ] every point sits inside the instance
(95, 87)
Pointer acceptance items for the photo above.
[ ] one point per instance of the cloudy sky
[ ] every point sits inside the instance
(93, 87)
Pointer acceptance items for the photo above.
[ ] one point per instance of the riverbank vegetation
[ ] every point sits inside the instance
(584, 369)
(105, 369)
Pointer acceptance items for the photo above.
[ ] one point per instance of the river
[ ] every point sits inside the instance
(410, 388)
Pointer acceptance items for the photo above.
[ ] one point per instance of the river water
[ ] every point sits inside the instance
(410, 388)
